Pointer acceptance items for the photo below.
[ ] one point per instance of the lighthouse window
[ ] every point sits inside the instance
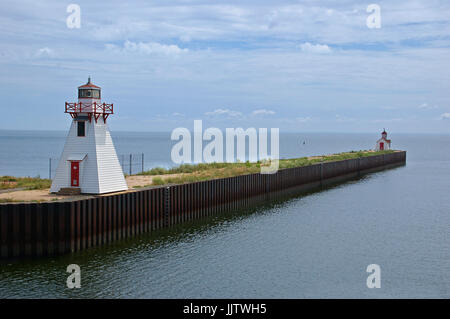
(81, 128)
(96, 94)
(89, 94)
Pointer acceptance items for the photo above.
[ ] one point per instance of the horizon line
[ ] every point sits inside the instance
(281, 132)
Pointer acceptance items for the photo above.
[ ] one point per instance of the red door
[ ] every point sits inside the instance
(381, 146)
(75, 174)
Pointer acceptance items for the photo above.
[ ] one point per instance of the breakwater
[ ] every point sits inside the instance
(54, 228)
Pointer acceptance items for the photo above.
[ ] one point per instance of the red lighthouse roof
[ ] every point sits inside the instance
(89, 85)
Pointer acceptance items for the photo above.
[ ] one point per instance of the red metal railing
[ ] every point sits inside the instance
(96, 109)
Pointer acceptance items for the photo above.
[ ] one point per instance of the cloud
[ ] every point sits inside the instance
(45, 53)
(445, 116)
(147, 48)
(240, 53)
(272, 20)
(185, 38)
(427, 106)
(315, 48)
(303, 119)
(224, 112)
(263, 112)
(340, 118)
(390, 120)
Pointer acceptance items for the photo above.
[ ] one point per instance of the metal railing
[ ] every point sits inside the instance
(97, 110)
(101, 108)
(52, 165)
(132, 163)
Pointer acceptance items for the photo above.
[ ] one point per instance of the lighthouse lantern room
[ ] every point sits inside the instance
(89, 163)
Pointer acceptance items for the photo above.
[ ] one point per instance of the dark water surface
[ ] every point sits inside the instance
(316, 245)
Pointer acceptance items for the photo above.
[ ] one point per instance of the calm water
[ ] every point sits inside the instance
(317, 245)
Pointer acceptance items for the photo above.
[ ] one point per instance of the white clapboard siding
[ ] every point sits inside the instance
(387, 145)
(110, 172)
(100, 170)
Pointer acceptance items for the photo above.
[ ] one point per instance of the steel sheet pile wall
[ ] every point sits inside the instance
(53, 228)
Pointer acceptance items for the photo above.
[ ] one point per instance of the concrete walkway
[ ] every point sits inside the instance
(9, 190)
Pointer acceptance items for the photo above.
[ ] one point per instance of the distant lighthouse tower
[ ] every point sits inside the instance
(383, 143)
(89, 162)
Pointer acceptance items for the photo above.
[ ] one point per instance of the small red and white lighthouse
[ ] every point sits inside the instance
(89, 162)
(383, 143)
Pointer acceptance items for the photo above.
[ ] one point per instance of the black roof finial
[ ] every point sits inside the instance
(89, 79)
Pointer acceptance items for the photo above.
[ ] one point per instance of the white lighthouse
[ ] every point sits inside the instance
(383, 143)
(89, 162)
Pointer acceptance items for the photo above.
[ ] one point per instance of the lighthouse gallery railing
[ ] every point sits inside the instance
(96, 109)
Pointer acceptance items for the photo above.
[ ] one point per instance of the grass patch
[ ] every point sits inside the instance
(8, 200)
(8, 182)
(189, 173)
(158, 181)
(304, 161)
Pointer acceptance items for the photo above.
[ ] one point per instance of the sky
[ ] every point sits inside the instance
(301, 66)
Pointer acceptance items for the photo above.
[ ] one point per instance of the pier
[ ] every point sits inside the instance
(55, 228)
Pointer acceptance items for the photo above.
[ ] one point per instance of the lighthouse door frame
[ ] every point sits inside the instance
(75, 173)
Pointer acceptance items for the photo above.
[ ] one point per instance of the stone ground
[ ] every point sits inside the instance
(40, 195)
